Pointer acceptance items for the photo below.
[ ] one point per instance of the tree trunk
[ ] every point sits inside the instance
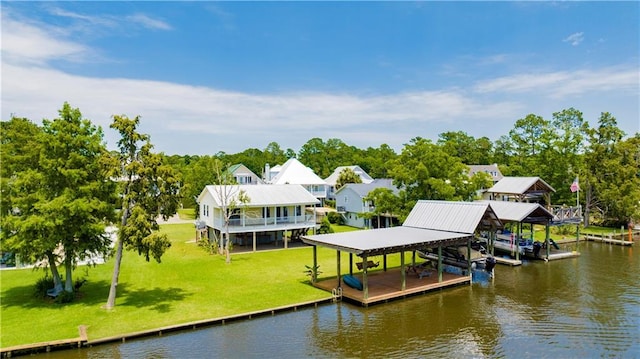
(68, 277)
(57, 283)
(227, 245)
(111, 301)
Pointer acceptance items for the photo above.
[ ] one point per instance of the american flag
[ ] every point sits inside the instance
(575, 186)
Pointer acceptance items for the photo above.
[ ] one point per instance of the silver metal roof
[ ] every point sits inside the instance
(520, 212)
(521, 185)
(265, 195)
(385, 240)
(461, 217)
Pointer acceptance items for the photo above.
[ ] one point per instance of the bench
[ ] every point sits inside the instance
(370, 264)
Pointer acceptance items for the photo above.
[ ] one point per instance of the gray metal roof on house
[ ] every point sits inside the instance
(520, 212)
(265, 195)
(521, 185)
(385, 240)
(363, 189)
(460, 217)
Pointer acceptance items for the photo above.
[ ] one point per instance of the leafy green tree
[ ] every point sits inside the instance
(426, 171)
(62, 206)
(347, 175)
(612, 187)
(384, 202)
(197, 175)
(471, 151)
(375, 161)
(151, 189)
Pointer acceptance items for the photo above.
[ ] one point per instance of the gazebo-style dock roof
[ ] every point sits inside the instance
(431, 224)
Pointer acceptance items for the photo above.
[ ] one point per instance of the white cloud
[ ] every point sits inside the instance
(22, 42)
(574, 39)
(149, 22)
(566, 83)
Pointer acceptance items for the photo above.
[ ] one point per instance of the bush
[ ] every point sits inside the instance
(42, 285)
(325, 227)
(65, 297)
(335, 218)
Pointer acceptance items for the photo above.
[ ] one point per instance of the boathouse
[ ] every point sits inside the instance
(431, 224)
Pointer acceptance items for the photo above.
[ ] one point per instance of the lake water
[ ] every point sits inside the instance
(583, 307)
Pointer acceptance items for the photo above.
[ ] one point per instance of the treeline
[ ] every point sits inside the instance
(558, 150)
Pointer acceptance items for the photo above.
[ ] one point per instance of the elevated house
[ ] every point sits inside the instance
(333, 178)
(270, 211)
(357, 211)
(243, 175)
(294, 172)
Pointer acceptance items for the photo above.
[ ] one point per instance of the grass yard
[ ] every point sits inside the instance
(188, 285)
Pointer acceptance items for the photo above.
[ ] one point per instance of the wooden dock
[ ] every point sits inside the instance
(610, 239)
(384, 286)
(508, 261)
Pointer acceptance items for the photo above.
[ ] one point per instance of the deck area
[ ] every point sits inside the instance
(384, 286)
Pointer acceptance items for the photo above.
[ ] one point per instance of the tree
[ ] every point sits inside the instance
(613, 186)
(61, 207)
(151, 189)
(347, 175)
(471, 151)
(425, 171)
(384, 202)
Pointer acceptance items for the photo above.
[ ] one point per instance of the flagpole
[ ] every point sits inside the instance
(578, 192)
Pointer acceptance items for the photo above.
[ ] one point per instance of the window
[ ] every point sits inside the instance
(298, 210)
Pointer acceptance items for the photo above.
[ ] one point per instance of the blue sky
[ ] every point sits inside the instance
(227, 76)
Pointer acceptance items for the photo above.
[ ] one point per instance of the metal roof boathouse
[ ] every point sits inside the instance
(431, 224)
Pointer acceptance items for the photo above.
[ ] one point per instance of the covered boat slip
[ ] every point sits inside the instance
(519, 243)
(451, 223)
(386, 283)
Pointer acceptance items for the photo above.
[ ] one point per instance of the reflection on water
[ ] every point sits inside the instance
(587, 306)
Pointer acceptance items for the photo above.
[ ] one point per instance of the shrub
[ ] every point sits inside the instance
(65, 297)
(42, 285)
(335, 218)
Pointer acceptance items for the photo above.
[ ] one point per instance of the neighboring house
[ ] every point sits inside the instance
(491, 170)
(271, 210)
(351, 204)
(294, 172)
(244, 175)
(333, 179)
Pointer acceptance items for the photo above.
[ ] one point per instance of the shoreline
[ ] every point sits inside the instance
(82, 340)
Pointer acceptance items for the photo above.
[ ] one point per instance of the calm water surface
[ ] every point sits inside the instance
(584, 307)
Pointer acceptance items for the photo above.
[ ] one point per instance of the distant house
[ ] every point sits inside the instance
(244, 175)
(272, 209)
(491, 170)
(333, 178)
(351, 204)
(294, 172)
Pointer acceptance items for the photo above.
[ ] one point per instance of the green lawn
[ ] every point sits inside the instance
(188, 285)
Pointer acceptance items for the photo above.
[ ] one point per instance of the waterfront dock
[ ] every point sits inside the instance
(612, 239)
(385, 286)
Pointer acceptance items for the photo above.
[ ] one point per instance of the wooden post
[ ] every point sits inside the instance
(350, 263)
(314, 276)
(403, 271)
(440, 263)
(365, 280)
(469, 255)
(254, 241)
(517, 240)
(548, 239)
(338, 268)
